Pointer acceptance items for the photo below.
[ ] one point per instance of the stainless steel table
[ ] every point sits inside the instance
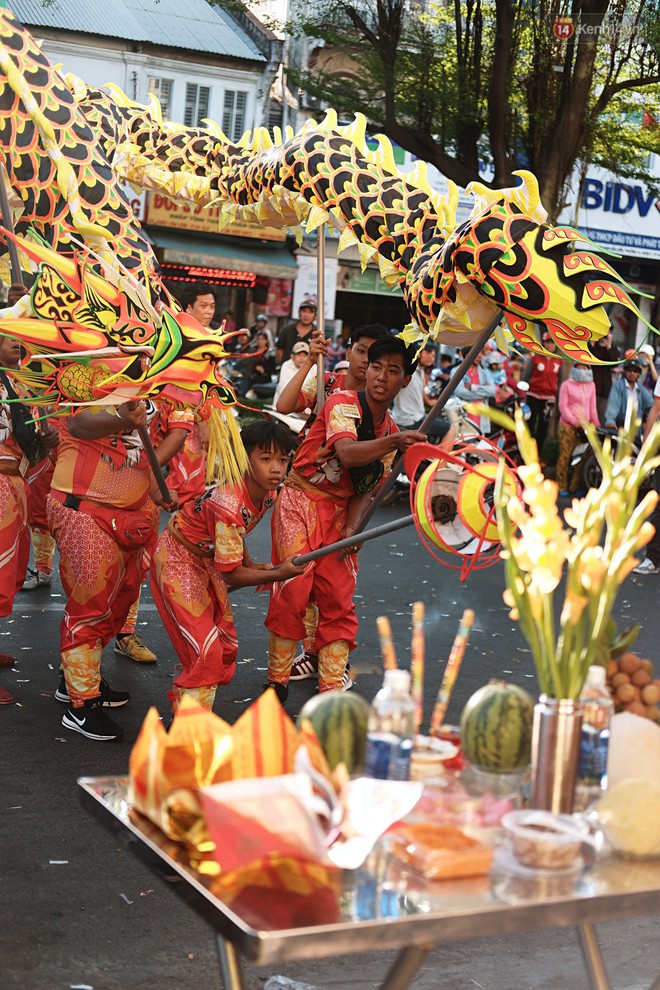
(380, 906)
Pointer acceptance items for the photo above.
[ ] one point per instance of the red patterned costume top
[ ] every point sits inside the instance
(339, 417)
(170, 417)
(112, 470)
(219, 519)
(332, 382)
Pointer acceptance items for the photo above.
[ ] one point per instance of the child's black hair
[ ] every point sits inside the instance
(393, 345)
(373, 331)
(269, 436)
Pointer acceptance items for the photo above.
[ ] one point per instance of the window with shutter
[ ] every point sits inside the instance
(234, 113)
(162, 90)
(196, 106)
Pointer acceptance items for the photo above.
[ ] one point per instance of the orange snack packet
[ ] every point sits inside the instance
(440, 852)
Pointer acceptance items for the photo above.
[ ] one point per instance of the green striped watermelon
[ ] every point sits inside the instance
(340, 722)
(496, 727)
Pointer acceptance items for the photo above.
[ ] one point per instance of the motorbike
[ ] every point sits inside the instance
(584, 466)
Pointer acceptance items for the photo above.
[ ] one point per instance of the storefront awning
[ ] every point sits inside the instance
(234, 254)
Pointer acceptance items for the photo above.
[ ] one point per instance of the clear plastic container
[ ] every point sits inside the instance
(390, 729)
(514, 883)
(543, 840)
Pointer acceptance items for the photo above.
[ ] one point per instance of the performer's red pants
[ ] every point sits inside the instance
(193, 603)
(101, 582)
(14, 539)
(300, 524)
(39, 478)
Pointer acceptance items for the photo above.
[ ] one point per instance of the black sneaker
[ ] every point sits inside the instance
(281, 690)
(92, 721)
(109, 697)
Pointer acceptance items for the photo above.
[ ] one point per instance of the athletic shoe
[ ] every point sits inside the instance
(281, 690)
(131, 645)
(6, 660)
(647, 567)
(305, 667)
(109, 697)
(37, 579)
(5, 697)
(92, 721)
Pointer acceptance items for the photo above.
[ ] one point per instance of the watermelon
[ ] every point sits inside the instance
(496, 727)
(340, 723)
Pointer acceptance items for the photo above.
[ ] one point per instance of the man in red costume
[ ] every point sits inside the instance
(299, 395)
(21, 446)
(102, 512)
(542, 373)
(349, 447)
(168, 432)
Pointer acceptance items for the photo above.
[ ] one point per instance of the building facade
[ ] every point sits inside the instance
(201, 63)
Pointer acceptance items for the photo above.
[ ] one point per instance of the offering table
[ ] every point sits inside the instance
(379, 906)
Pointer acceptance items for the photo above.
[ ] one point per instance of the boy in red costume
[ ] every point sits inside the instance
(349, 447)
(102, 511)
(201, 556)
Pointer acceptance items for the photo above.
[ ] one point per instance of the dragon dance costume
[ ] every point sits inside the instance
(202, 542)
(311, 513)
(14, 532)
(95, 483)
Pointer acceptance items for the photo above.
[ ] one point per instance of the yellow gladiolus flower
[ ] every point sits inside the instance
(539, 547)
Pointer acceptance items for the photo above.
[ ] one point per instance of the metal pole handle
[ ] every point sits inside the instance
(351, 541)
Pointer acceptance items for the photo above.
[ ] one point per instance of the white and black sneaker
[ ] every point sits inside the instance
(109, 697)
(92, 721)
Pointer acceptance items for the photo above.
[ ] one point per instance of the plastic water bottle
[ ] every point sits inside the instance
(391, 728)
(597, 710)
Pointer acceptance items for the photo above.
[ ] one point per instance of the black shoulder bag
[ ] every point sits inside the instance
(366, 477)
(25, 432)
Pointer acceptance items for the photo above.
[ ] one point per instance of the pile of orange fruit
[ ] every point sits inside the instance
(633, 688)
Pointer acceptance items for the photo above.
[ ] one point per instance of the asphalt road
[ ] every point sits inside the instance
(76, 909)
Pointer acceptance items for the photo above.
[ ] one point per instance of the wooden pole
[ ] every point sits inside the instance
(320, 315)
(8, 224)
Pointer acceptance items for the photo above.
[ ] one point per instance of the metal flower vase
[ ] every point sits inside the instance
(555, 751)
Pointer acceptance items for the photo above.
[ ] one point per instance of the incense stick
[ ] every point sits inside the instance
(451, 671)
(386, 644)
(417, 662)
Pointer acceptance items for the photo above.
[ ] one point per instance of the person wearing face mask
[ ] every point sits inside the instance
(577, 405)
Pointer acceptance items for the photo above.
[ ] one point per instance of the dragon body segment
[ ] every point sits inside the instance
(66, 146)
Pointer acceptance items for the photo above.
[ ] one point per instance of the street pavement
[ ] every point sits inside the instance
(77, 910)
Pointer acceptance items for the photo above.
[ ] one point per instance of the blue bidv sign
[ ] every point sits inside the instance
(622, 215)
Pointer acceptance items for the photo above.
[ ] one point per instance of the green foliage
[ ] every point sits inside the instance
(489, 80)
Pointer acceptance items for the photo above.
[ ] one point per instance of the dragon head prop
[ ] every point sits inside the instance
(91, 339)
